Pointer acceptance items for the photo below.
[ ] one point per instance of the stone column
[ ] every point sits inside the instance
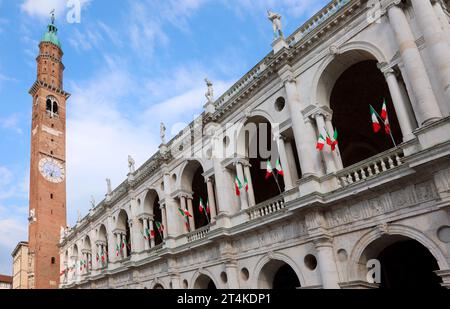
(327, 264)
(191, 211)
(327, 152)
(118, 245)
(211, 199)
(164, 219)
(145, 228)
(232, 275)
(251, 192)
(444, 20)
(98, 262)
(337, 153)
(240, 175)
(426, 109)
(304, 133)
(288, 181)
(152, 231)
(291, 159)
(436, 41)
(400, 105)
(124, 241)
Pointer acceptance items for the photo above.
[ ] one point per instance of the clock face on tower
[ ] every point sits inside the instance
(52, 170)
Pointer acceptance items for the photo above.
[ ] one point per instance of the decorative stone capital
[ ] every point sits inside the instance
(286, 74)
(314, 111)
(323, 241)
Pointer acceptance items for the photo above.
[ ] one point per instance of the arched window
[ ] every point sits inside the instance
(52, 107)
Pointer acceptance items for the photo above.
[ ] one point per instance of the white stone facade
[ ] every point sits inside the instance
(337, 210)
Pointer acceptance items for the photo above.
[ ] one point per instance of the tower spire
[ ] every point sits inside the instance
(52, 13)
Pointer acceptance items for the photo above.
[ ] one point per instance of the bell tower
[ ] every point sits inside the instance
(47, 213)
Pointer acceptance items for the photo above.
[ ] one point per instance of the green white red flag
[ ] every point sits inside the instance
(375, 123)
(279, 168)
(333, 141)
(237, 186)
(185, 213)
(201, 207)
(320, 143)
(269, 170)
(384, 116)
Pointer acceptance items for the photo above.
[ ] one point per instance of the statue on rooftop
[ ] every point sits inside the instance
(108, 186)
(163, 133)
(131, 164)
(275, 18)
(92, 202)
(210, 92)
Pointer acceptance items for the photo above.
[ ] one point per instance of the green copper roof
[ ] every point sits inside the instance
(51, 34)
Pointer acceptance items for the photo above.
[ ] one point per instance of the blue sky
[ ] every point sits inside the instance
(129, 65)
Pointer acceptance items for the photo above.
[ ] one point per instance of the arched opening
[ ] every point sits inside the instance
(124, 228)
(158, 287)
(405, 263)
(51, 106)
(261, 148)
(357, 87)
(193, 181)
(102, 255)
(87, 257)
(204, 282)
(74, 261)
(151, 206)
(279, 275)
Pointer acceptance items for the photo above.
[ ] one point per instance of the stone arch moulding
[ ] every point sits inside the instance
(363, 46)
(156, 282)
(119, 211)
(275, 256)
(239, 138)
(395, 229)
(204, 272)
(183, 170)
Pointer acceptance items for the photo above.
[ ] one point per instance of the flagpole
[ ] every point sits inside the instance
(276, 180)
(390, 131)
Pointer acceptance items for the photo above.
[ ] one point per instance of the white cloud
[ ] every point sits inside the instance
(11, 123)
(42, 8)
(11, 232)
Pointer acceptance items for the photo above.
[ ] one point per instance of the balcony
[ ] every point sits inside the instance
(271, 206)
(370, 168)
(199, 234)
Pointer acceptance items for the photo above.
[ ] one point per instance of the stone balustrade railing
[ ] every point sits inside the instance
(371, 167)
(267, 208)
(315, 21)
(198, 234)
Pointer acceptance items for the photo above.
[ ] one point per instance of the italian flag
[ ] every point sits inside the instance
(117, 250)
(201, 207)
(279, 168)
(333, 142)
(237, 186)
(63, 272)
(160, 227)
(152, 234)
(320, 143)
(103, 257)
(246, 184)
(269, 170)
(97, 257)
(184, 213)
(384, 116)
(375, 123)
(208, 208)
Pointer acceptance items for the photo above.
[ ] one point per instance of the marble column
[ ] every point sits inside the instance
(327, 152)
(240, 175)
(145, 228)
(436, 41)
(164, 219)
(124, 241)
(288, 181)
(426, 109)
(304, 133)
(151, 224)
(400, 105)
(211, 198)
(251, 191)
(191, 211)
(231, 270)
(327, 264)
(443, 18)
(118, 245)
(291, 159)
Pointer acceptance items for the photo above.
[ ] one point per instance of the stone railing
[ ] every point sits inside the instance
(198, 234)
(371, 167)
(267, 207)
(317, 20)
(154, 250)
